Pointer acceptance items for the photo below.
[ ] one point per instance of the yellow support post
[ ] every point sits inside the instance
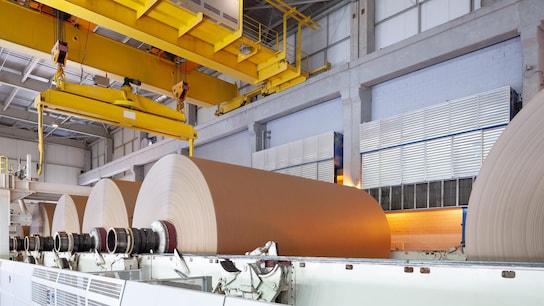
(41, 145)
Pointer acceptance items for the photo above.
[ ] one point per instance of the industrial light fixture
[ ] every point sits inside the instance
(55, 125)
(245, 49)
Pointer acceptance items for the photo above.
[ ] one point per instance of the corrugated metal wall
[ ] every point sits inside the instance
(440, 143)
(312, 158)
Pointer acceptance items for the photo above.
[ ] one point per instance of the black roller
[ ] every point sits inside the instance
(84, 243)
(32, 243)
(119, 240)
(47, 244)
(18, 244)
(151, 240)
(138, 241)
(64, 242)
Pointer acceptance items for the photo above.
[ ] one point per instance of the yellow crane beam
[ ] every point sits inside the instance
(198, 45)
(30, 29)
(119, 107)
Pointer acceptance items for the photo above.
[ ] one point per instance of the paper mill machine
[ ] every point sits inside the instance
(142, 265)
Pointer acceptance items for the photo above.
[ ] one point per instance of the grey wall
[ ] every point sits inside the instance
(324, 117)
(485, 69)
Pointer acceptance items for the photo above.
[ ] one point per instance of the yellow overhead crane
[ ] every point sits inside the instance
(238, 47)
(119, 107)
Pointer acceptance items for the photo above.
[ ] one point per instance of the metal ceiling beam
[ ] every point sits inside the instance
(32, 118)
(12, 132)
(14, 80)
(10, 98)
(29, 68)
(35, 36)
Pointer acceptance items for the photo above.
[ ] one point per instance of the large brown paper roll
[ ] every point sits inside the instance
(220, 208)
(110, 204)
(42, 217)
(69, 214)
(505, 218)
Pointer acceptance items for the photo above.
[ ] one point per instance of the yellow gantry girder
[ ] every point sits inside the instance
(185, 33)
(24, 27)
(119, 107)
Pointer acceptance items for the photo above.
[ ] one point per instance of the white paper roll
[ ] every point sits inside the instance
(220, 208)
(69, 213)
(110, 204)
(505, 218)
(42, 217)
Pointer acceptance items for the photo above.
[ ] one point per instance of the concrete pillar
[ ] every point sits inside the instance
(259, 136)
(139, 174)
(357, 104)
(531, 29)
(362, 28)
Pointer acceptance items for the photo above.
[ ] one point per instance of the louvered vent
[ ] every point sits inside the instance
(106, 288)
(95, 303)
(79, 282)
(45, 274)
(65, 298)
(42, 294)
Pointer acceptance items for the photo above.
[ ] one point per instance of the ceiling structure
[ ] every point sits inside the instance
(24, 75)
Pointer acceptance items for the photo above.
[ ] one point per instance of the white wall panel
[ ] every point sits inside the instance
(438, 159)
(387, 8)
(62, 164)
(339, 53)
(316, 60)
(61, 174)
(310, 149)
(390, 167)
(412, 126)
(314, 41)
(467, 154)
(321, 118)
(312, 157)
(233, 149)
(325, 171)
(339, 25)
(436, 12)
(479, 71)
(397, 28)
(205, 114)
(371, 173)
(440, 142)
(413, 163)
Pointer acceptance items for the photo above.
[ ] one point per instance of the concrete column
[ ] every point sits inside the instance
(357, 106)
(362, 28)
(260, 136)
(139, 174)
(531, 29)
(4, 223)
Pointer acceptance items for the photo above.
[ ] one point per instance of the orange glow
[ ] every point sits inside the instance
(421, 230)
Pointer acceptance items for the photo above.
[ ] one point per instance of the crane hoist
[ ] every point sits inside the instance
(119, 107)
